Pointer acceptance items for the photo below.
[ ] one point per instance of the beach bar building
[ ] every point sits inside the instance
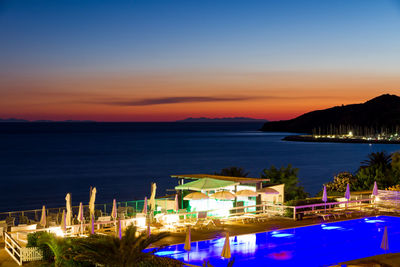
(221, 193)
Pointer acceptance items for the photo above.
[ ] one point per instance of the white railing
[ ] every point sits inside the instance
(13, 248)
(31, 254)
(21, 254)
(314, 208)
(388, 197)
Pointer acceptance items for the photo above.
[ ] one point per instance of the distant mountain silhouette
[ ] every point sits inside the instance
(234, 119)
(42, 121)
(13, 120)
(380, 112)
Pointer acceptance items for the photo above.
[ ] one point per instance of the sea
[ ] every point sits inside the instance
(41, 162)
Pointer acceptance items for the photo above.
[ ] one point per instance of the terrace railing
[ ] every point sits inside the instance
(388, 198)
(128, 208)
(21, 254)
(322, 207)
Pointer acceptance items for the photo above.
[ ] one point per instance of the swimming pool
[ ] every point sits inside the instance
(316, 245)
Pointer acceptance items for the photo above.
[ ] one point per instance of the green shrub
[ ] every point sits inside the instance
(153, 260)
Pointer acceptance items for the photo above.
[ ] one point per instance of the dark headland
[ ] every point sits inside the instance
(375, 121)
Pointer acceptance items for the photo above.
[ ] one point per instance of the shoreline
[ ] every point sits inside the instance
(309, 138)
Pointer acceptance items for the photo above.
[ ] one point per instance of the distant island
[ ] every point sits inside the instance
(229, 119)
(22, 120)
(375, 121)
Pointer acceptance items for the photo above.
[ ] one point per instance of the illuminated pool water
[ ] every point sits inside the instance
(316, 245)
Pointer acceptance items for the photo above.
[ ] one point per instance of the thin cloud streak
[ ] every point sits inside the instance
(177, 100)
(199, 99)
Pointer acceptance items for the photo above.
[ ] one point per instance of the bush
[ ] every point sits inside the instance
(394, 188)
(153, 260)
(340, 182)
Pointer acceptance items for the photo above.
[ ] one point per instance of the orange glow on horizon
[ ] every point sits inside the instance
(175, 96)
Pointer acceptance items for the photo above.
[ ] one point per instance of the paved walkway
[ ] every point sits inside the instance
(5, 259)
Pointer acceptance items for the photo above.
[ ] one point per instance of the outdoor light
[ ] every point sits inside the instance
(57, 231)
(141, 221)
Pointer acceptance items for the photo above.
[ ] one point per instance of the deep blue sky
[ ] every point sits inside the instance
(152, 35)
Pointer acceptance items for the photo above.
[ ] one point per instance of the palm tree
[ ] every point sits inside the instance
(377, 159)
(233, 172)
(112, 251)
(59, 246)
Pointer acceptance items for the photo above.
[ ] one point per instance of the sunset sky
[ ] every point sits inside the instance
(145, 60)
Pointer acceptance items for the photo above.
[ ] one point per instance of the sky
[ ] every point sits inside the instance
(165, 60)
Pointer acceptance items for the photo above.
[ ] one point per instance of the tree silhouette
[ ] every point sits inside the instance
(233, 172)
(377, 159)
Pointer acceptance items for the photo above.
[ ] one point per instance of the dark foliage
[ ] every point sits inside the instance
(288, 176)
(233, 172)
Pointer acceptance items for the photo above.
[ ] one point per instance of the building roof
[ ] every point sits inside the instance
(206, 184)
(242, 180)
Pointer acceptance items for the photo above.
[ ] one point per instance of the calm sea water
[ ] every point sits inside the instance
(40, 163)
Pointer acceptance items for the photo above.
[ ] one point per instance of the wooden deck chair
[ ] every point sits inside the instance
(324, 216)
(201, 221)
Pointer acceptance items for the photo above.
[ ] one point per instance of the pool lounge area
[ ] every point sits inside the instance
(317, 245)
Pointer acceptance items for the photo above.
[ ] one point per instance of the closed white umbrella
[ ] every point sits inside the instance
(145, 206)
(226, 250)
(385, 241)
(176, 203)
(324, 196)
(152, 201)
(188, 241)
(375, 190)
(347, 194)
(64, 221)
(69, 209)
(114, 209)
(92, 200)
(43, 217)
(81, 218)
(80, 213)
